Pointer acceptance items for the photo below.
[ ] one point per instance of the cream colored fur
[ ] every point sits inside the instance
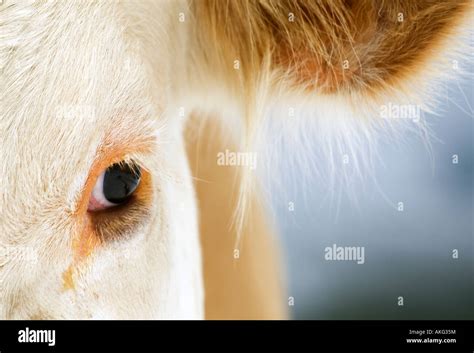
(58, 55)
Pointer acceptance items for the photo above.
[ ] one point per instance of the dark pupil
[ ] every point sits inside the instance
(120, 181)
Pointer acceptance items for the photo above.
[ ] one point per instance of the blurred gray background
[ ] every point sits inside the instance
(407, 253)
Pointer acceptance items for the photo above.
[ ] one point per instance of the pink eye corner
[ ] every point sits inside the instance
(114, 187)
(97, 200)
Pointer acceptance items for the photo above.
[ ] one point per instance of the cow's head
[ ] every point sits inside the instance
(98, 210)
(80, 103)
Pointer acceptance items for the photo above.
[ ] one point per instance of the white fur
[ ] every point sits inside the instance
(80, 56)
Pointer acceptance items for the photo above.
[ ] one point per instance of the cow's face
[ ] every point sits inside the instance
(78, 97)
(97, 209)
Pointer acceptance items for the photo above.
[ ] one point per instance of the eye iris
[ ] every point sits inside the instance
(120, 181)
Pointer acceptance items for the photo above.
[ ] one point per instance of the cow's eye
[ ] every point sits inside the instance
(114, 186)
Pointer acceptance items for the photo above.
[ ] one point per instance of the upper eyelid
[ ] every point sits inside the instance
(131, 162)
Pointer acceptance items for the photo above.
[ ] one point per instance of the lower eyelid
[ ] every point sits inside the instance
(116, 223)
(111, 223)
